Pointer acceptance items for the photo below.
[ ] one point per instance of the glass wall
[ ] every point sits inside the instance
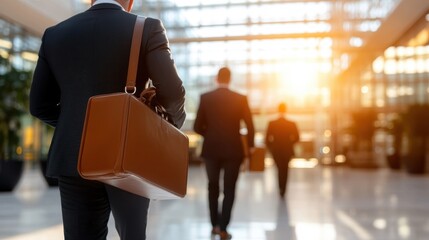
(395, 80)
(279, 51)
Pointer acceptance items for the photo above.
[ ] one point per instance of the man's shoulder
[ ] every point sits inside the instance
(207, 94)
(282, 120)
(235, 94)
(290, 122)
(223, 93)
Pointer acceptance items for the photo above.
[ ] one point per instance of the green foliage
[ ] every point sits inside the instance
(14, 87)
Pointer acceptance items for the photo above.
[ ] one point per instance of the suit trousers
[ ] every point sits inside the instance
(231, 169)
(86, 207)
(282, 163)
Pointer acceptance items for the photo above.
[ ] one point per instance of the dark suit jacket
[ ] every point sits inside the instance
(87, 55)
(218, 121)
(281, 135)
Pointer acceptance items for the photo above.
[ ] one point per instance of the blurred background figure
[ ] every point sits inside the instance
(281, 135)
(218, 120)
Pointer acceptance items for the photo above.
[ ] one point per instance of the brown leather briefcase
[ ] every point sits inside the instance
(127, 145)
(257, 160)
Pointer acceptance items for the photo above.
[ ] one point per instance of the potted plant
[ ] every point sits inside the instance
(395, 129)
(14, 85)
(362, 131)
(417, 131)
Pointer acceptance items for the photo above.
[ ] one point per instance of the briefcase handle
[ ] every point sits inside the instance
(130, 87)
(148, 95)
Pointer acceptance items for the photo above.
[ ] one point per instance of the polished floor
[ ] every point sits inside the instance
(322, 203)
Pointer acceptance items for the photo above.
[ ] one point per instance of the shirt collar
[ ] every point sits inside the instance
(108, 1)
(223, 85)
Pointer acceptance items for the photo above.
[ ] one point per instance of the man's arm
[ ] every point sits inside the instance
(268, 136)
(200, 123)
(45, 92)
(247, 117)
(295, 133)
(162, 71)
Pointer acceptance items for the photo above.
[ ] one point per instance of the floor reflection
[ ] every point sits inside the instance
(284, 230)
(322, 203)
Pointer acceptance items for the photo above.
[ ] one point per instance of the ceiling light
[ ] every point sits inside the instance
(4, 54)
(5, 44)
(356, 42)
(30, 56)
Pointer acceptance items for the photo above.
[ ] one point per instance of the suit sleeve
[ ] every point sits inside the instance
(200, 124)
(295, 133)
(247, 117)
(268, 137)
(162, 71)
(44, 92)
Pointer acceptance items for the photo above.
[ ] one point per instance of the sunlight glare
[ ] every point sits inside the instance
(313, 231)
(299, 79)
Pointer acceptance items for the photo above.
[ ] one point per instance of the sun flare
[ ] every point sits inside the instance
(298, 79)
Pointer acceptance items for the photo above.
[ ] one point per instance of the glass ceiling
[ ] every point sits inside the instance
(286, 50)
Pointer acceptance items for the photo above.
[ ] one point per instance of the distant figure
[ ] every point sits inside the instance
(281, 135)
(218, 121)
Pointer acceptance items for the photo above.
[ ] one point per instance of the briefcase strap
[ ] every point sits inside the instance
(130, 87)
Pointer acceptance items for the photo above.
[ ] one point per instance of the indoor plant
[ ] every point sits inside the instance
(417, 131)
(362, 131)
(395, 129)
(14, 86)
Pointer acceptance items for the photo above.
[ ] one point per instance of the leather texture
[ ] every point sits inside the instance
(257, 160)
(127, 145)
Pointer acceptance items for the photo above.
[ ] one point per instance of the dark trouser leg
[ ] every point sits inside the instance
(85, 209)
(231, 171)
(282, 168)
(213, 171)
(130, 213)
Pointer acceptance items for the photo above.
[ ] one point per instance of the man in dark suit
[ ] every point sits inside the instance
(83, 56)
(218, 121)
(281, 135)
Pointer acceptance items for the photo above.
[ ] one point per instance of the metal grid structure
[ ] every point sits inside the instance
(278, 50)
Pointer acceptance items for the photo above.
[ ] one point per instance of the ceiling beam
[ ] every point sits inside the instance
(171, 6)
(36, 16)
(253, 37)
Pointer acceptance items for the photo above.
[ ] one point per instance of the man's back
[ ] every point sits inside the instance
(87, 55)
(218, 121)
(281, 135)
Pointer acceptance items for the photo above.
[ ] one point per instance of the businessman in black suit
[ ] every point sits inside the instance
(218, 120)
(280, 138)
(83, 56)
